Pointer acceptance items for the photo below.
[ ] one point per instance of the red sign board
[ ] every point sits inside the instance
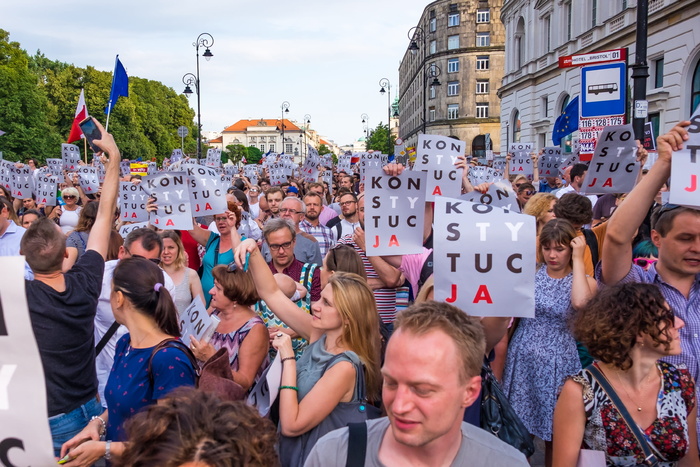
(603, 56)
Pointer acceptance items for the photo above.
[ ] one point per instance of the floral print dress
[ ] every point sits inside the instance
(607, 431)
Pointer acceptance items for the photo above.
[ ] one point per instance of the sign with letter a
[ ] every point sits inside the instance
(614, 167)
(484, 259)
(437, 156)
(685, 168)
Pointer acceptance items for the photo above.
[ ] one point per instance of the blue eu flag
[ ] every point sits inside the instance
(566, 123)
(120, 86)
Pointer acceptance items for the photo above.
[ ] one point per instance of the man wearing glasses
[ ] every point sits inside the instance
(144, 243)
(306, 248)
(676, 234)
(350, 219)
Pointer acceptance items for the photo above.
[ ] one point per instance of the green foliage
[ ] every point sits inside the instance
(235, 152)
(254, 155)
(39, 96)
(323, 149)
(379, 139)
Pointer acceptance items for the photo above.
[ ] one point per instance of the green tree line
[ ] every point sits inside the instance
(38, 97)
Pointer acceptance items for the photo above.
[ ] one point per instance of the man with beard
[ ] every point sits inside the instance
(313, 226)
(350, 218)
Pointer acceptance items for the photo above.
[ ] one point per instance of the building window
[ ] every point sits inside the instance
(482, 62)
(433, 47)
(262, 148)
(695, 90)
(547, 33)
(655, 119)
(594, 12)
(433, 25)
(624, 5)
(431, 114)
(453, 42)
(288, 148)
(453, 88)
(482, 111)
(545, 106)
(516, 127)
(432, 92)
(568, 21)
(482, 86)
(453, 20)
(520, 43)
(452, 111)
(272, 147)
(453, 65)
(659, 73)
(483, 39)
(252, 139)
(483, 16)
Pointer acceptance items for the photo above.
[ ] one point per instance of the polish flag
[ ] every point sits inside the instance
(80, 115)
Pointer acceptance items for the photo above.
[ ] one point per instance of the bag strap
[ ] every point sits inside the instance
(592, 242)
(650, 457)
(172, 342)
(357, 444)
(108, 335)
(359, 372)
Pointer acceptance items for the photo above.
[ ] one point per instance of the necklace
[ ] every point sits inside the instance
(644, 383)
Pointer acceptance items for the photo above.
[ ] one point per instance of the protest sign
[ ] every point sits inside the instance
(277, 176)
(176, 156)
(499, 163)
(55, 167)
(213, 157)
(125, 168)
(89, 179)
(207, 194)
(22, 182)
(25, 437)
(482, 174)
(614, 167)
(500, 194)
(126, 229)
(344, 164)
(648, 142)
(7, 174)
(101, 172)
(70, 155)
(45, 192)
(484, 259)
(369, 160)
(152, 168)
(226, 180)
(196, 322)
(437, 156)
(394, 212)
(549, 162)
(685, 168)
(520, 160)
(265, 391)
(138, 168)
(169, 190)
(310, 168)
(132, 202)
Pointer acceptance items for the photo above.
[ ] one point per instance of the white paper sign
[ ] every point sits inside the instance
(25, 437)
(207, 192)
(22, 182)
(169, 189)
(132, 201)
(89, 179)
(394, 213)
(196, 322)
(46, 186)
(265, 391)
(71, 156)
(484, 259)
(482, 174)
(126, 229)
(614, 167)
(520, 160)
(500, 194)
(437, 156)
(685, 168)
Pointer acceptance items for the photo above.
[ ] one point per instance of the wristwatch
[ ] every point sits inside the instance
(108, 446)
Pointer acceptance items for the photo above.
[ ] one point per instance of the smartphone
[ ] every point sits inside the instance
(91, 132)
(65, 459)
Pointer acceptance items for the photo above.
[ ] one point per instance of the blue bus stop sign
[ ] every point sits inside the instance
(603, 90)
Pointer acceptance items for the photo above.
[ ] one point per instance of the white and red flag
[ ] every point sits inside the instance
(81, 114)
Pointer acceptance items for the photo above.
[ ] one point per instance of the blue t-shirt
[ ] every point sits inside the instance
(129, 388)
(210, 260)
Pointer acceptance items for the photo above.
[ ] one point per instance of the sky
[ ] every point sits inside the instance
(325, 58)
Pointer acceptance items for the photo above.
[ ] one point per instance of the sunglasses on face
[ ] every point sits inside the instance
(69, 197)
(644, 262)
(529, 192)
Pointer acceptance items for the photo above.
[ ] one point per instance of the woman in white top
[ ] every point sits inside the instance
(70, 212)
(174, 263)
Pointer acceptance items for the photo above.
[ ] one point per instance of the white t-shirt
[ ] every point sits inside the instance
(69, 220)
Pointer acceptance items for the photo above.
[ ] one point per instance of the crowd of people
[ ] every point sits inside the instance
(373, 370)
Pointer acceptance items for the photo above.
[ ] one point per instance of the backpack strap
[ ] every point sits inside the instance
(108, 335)
(306, 279)
(357, 444)
(592, 242)
(174, 343)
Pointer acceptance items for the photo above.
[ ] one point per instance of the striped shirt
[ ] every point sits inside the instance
(323, 235)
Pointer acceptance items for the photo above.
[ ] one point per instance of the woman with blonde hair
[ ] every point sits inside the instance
(174, 262)
(541, 206)
(340, 362)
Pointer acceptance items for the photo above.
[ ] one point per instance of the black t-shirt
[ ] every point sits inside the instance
(63, 324)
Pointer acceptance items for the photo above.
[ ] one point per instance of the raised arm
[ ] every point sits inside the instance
(583, 287)
(622, 227)
(99, 235)
(267, 288)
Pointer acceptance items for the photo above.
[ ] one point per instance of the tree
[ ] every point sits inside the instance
(380, 139)
(236, 152)
(254, 155)
(323, 149)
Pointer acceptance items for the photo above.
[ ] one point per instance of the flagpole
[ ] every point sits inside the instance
(109, 111)
(109, 104)
(85, 144)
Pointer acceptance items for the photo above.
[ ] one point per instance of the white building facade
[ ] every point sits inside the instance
(535, 90)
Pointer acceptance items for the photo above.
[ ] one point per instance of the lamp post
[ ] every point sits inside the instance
(386, 88)
(203, 40)
(429, 71)
(285, 109)
(365, 127)
(307, 121)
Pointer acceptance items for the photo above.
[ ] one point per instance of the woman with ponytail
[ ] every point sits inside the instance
(140, 375)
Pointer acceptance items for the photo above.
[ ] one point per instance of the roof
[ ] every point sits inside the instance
(323, 141)
(220, 139)
(242, 125)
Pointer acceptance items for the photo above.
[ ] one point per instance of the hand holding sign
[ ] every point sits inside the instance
(685, 166)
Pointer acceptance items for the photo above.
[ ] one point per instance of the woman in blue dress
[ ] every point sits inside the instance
(141, 374)
(542, 352)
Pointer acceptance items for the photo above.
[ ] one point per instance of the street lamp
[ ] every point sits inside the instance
(386, 88)
(203, 40)
(365, 127)
(285, 109)
(429, 71)
(305, 149)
